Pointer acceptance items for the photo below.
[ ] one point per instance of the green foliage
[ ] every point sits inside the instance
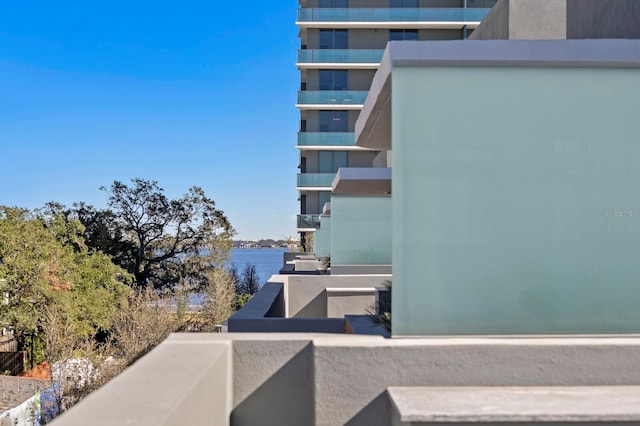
(249, 283)
(98, 295)
(161, 242)
(46, 265)
(30, 260)
(246, 284)
(221, 299)
(63, 276)
(145, 321)
(240, 300)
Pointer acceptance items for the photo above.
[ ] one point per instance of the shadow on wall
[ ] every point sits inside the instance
(316, 308)
(285, 398)
(373, 414)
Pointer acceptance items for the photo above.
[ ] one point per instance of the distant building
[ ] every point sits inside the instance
(341, 45)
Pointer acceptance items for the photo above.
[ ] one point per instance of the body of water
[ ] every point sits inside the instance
(268, 261)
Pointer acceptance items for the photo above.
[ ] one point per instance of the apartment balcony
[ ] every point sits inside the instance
(435, 18)
(331, 99)
(339, 58)
(308, 222)
(327, 141)
(315, 181)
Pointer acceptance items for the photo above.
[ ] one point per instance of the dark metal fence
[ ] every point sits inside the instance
(12, 363)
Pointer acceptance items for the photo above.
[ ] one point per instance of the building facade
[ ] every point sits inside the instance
(341, 45)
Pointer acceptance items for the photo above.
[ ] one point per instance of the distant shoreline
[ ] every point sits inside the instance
(265, 248)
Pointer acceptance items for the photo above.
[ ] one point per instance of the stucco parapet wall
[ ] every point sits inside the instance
(262, 303)
(516, 404)
(373, 127)
(246, 378)
(171, 385)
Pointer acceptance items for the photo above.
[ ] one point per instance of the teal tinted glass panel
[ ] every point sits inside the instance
(322, 238)
(332, 97)
(326, 138)
(308, 221)
(323, 197)
(521, 216)
(315, 179)
(372, 56)
(360, 230)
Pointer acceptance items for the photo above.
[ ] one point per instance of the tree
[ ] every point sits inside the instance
(221, 297)
(46, 266)
(250, 281)
(162, 242)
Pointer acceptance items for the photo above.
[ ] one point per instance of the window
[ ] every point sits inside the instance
(403, 35)
(331, 161)
(323, 197)
(403, 3)
(333, 79)
(334, 3)
(333, 121)
(334, 39)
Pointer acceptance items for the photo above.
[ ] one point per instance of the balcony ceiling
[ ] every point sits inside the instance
(362, 181)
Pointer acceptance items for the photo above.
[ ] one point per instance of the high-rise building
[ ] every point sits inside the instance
(341, 45)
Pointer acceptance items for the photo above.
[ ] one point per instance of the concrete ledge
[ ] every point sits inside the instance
(350, 290)
(557, 405)
(360, 269)
(173, 384)
(307, 265)
(293, 379)
(268, 302)
(306, 297)
(265, 313)
(362, 324)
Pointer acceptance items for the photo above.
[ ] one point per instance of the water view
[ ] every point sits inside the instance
(268, 261)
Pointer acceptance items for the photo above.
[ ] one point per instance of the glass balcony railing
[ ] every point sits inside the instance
(315, 179)
(326, 139)
(308, 221)
(392, 15)
(332, 97)
(353, 56)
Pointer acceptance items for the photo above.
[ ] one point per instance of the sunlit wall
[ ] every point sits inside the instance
(516, 200)
(322, 238)
(360, 230)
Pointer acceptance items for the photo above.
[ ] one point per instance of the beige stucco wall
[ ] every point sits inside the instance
(375, 38)
(306, 379)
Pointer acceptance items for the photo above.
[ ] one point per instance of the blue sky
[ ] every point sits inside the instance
(186, 93)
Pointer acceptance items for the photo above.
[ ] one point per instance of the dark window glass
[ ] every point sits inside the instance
(403, 35)
(403, 3)
(334, 39)
(330, 161)
(323, 197)
(333, 79)
(334, 3)
(333, 121)
(303, 204)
